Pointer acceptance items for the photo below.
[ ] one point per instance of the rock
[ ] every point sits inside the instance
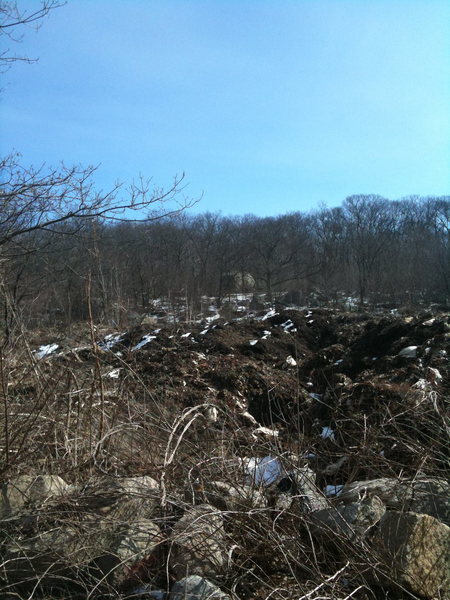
(100, 530)
(196, 588)
(138, 540)
(304, 488)
(226, 496)
(121, 499)
(427, 495)
(351, 521)
(198, 543)
(431, 496)
(415, 551)
(18, 492)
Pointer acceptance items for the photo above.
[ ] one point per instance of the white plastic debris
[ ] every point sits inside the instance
(262, 471)
(408, 352)
(114, 374)
(212, 414)
(288, 326)
(333, 490)
(434, 374)
(186, 335)
(271, 313)
(145, 340)
(110, 341)
(309, 455)
(429, 322)
(253, 342)
(327, 434)
(262, 431)
(315, 396)
(290, 360)
(46, 350)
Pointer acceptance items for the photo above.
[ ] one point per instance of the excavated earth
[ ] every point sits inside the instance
(350, 397)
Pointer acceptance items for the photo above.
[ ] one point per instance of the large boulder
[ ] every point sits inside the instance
(348, 522)
(232, 497)
(99, 531)
(301, 484)
(415, 552)
(198, 543)
(426, 495)
(27, 489)
(195, 587)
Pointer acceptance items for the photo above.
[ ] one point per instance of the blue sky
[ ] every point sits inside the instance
(267, 106)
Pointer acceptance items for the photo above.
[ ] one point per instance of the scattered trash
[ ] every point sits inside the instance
(44, 351)
(328, 434)
(408, 352)
(145, 340)
(262, 471)
(333, 490)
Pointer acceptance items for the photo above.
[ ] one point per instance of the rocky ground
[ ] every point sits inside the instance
(295, 454)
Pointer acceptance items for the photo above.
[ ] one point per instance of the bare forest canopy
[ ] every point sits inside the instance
(378, 250)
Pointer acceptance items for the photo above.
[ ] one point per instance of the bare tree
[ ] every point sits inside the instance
(13, 22)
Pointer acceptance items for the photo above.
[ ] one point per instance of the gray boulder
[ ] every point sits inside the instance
(231, 497)
(27, 489)
(98, 531)
(198, 543)
(426, 495)
(195, 587)
(302, 482)
(350, 522)
(414, 552)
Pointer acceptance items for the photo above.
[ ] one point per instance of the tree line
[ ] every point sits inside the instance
(371, 248)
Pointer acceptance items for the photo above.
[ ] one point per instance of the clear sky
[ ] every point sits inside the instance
(269, 106)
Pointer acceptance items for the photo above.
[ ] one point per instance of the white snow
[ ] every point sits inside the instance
(145, 340)
(46, 350)
(327, 434)
(408, 352)
(262, 471)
